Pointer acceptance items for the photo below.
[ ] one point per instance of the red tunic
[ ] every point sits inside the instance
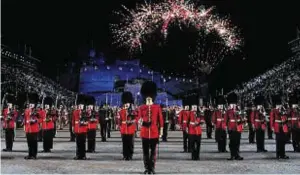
(294, 118)
(278, 121)
(31, 127)
(93, 122)
(78, 128)
(155, 117)
(234, 121)
(258, 121)
(11, 122)
(183, 119)
(219, 120)
(194, 124)
(125, 126)
(48, 121)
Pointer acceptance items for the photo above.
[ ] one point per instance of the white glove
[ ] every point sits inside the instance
(161, 132)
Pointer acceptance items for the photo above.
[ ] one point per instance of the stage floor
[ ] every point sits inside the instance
(108, 158)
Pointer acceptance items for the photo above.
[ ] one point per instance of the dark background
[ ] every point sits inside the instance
(62, 31)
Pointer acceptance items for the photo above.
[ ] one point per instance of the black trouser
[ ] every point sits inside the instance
(103, 130)
(281, 138)
(40, 135)
(221, 138)
(296, 139)
(91, 135)
(108, 128)
(234, 140)
(260, 139)
(172, 127)
(270, 132)
(149, 159)
(165, 132)
(208, 131)
(9, 137)
(72, 135)
(186, 142)
(32, 142)
(54, 130)
(80, 145)
(288, 136)
(47, 139)
(251, 133)
(127, 140)
(195, 146)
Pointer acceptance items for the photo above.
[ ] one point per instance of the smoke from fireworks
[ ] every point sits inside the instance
(148, 18)
(208, 53)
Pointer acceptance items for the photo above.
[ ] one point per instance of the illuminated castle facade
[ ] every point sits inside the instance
(107, 82)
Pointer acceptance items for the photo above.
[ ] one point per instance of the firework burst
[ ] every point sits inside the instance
(148, 18)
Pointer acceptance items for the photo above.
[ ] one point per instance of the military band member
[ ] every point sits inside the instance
(195, 121)
(182, 121)
(220, 124)
(92, 127)
(258, 120)
(166, 116)
(294, 121)
(151, 116)
(104, 122)
(32, 129)
(128, 120)
(9, 118)
(70, 114)
(40, 111)
(235, 127)
(269, 127)
(54, 113)
(80, 129)
(47, 126)
(279, 123)
(250, 108)
(208, 120)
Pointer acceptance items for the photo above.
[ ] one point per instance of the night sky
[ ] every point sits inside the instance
(60, 32)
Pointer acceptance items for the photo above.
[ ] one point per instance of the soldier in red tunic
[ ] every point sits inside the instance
(235, 127)
(279, 123)
(220, 124)
(32, 129)
(80, 129)
(47, 125)
(9, 118)
(128, 120)
(182, 121)
(294, 121)
(151, 116)
(195, 121)
(259, 123)
(93, 118)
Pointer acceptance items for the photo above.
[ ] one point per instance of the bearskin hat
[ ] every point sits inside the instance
(10, 99)
(293, 99)
(259, 100)
(149, 89)
(33, 98)
(276, 99)
(232, 98)
(127, 97)
(48, 101)
(220, 100)
(81, 99)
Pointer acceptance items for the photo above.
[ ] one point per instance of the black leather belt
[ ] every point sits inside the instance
(146, 124)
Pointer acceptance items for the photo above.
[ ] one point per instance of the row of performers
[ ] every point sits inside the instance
(84, 123)
(230, 121)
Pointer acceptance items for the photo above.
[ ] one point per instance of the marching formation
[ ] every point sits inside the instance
(228, 118)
